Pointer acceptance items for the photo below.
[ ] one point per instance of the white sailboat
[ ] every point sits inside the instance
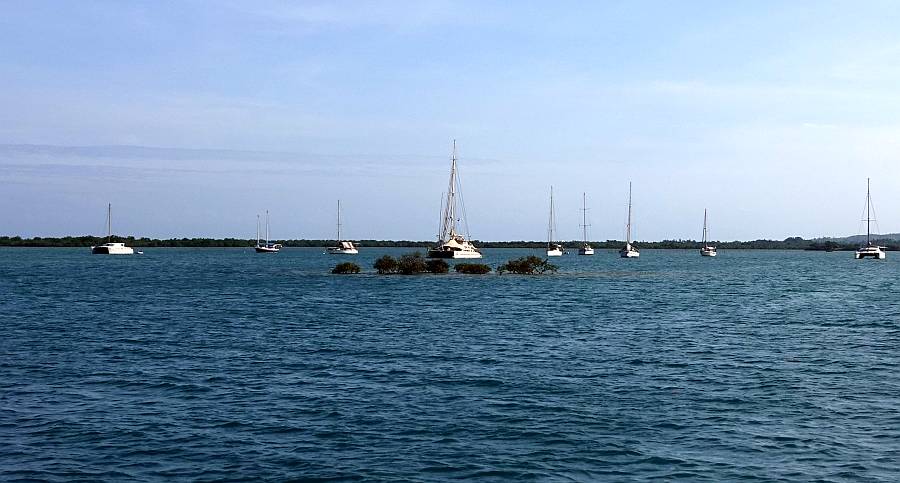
(267, 247)
(451, 244)
(553, 249)
(870, 250)
(344, 247)
(706, 250)
(586, 248)
(629, 250)
(110, 248)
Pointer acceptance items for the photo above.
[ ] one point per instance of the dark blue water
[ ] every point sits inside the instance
(207, 364)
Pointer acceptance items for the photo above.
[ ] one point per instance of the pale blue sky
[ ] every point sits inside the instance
(770, 114)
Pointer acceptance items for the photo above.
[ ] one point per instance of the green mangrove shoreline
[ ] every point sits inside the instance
(792, 243)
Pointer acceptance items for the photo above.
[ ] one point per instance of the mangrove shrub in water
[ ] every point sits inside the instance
(437, 266)
(346, 267)
(386, 264)
(530, 265)
(472, 268)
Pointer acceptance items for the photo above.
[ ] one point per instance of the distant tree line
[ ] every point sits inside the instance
(792, 243)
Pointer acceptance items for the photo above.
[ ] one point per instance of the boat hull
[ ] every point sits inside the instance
(628, 251)
(872, 252)
(116, 249)
(341, 251)
(585, 251)
(554, 253)
(455, 254)
(707, 252)
(267, 249)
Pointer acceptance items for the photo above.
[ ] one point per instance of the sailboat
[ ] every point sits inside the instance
(869, 250)
(553, 249)
(452, 244)
(629, 250)
(267, 247)
(586, 248)
(110, 248)
(706, 250)
(344, 247)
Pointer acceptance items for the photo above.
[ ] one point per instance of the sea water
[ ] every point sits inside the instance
(209, 364)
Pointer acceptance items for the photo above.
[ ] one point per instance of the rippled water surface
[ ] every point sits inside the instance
(206, 364)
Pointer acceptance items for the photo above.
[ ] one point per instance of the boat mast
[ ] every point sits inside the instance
(339, 222)
(584, 224)
(267, 227)
(868, 204)
(628, 226)
(257, 229)
(550, 222)
(109, 223)
(448, 225)
(704, 226)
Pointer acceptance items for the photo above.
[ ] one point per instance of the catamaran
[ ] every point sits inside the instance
(706, 250)
(870, 250)
(586, 248)
(344, 247)
(553, 249)
(267, 247)
(629, 250)
(452, 244)
(110, 248)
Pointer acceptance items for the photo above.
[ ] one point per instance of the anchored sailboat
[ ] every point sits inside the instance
(586, 248)
(110, 248)
(267, 247)
(344, 247)
(452, 244)
(629, 250)
(870, 250)
(706, 250)
(553, 249)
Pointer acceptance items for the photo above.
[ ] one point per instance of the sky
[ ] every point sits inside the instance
(193, 117)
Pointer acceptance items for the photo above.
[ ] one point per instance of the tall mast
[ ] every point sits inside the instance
(339, 222)
(448, 225)
(257, 229)
(628, 227)
(868, 204)
(550, 222)
(584, 224)
(267, 227)
(704, 226)
(109, 223)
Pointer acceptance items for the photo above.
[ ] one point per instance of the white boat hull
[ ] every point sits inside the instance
(342, 251)
(455, 254)
(708, 252)
(585, 251)
(112, 249)
(267, 249)
(877, 253)
(629, 252)
(554, 253)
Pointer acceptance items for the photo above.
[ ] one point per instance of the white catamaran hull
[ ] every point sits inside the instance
(112, 249)
(556, 252)
(871, 252)
(586, 251)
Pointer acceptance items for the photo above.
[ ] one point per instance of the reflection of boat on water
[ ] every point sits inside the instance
(629, 250)
(706, 250)
(452, 244)
(586, 248)
(110, 247)
(266, 247)
(870, 250)
(343, 247)
(553, 249)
